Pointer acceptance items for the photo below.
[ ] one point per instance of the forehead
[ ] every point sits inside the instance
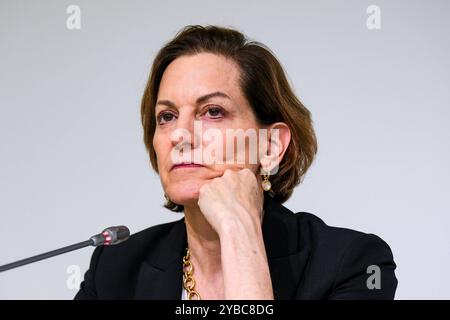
(189, 77)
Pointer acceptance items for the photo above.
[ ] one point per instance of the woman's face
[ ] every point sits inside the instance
(202, 89)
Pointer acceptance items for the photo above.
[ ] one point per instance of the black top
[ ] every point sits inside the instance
(307, 260)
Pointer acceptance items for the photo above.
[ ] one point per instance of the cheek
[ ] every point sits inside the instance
(156, 148)
(161, 150)
(233, 147)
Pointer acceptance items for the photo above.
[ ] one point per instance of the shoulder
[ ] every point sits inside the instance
(324, 236)
(343, 259)
(304, 230)
(155, 232)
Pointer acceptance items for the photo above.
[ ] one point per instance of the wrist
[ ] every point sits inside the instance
(234, 229)
(241, 219)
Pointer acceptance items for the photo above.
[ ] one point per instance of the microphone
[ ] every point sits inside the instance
(109, 236)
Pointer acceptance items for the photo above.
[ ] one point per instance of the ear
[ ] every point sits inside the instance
(276, 144)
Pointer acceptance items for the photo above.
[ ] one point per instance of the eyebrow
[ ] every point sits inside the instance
(200, 100)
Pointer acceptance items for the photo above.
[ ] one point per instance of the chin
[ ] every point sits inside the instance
(184, 194)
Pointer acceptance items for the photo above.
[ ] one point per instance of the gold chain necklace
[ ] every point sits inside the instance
(188, 279)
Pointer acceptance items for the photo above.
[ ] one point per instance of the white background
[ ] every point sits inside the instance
(72, 159)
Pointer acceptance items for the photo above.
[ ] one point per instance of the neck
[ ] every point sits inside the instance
(203, 240)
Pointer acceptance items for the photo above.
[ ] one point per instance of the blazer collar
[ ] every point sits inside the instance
(160, 276)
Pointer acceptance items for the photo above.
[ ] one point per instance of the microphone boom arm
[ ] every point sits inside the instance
(109, 236)
(45, 255)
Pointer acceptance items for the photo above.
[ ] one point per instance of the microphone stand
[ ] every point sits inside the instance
(109, 236)
(46, 255)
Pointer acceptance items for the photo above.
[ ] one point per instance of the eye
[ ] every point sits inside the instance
(165, 117)
(215, 112)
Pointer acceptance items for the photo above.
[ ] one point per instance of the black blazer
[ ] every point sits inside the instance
(307, 260)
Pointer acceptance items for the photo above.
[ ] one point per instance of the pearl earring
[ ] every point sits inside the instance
(266, 185)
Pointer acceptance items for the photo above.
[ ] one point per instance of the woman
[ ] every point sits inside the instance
(236, 239)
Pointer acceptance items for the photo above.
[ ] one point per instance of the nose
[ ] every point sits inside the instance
(184, 134)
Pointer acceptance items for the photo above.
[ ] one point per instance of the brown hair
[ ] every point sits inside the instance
(263, 83)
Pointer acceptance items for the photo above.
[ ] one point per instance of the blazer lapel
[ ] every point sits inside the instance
(161, 276)
(287, 259)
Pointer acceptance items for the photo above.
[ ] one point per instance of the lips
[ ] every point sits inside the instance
(186, 165)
